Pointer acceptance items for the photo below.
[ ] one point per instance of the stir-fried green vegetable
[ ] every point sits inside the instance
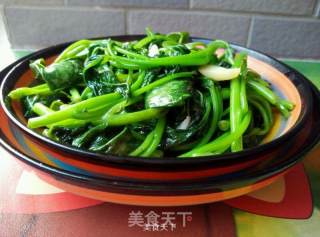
(161, 95)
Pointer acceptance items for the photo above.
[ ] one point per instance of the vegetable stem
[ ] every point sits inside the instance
(161, 81)
(26, 91)
(222, 141)
(73, 109)
(134, 117)
(235, 103)
(144, 145)
(158, 132)
(216, 101)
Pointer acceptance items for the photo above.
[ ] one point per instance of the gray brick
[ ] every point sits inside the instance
(291, 7)
(293, 38)
(133, 3)
(38, 27)
(32, 2)
(211, 25)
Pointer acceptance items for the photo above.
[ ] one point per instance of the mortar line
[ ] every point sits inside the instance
(250, 32)
(126, 21)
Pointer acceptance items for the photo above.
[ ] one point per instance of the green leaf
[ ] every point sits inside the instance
(60, 75)
(189, 121)
(37, 67)
(171, 94)
(29, 101)
(174, 50)
(101, 79)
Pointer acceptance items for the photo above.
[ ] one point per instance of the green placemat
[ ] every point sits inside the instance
(310, 69)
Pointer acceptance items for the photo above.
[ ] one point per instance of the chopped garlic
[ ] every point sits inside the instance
(153, 51)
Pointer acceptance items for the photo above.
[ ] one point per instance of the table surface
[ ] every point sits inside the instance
(288, 201)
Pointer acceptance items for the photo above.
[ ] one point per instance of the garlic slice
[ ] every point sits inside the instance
(185, 123)
(218, 73)
(153, 51)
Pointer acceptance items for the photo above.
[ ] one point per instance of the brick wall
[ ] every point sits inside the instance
(283, 28)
